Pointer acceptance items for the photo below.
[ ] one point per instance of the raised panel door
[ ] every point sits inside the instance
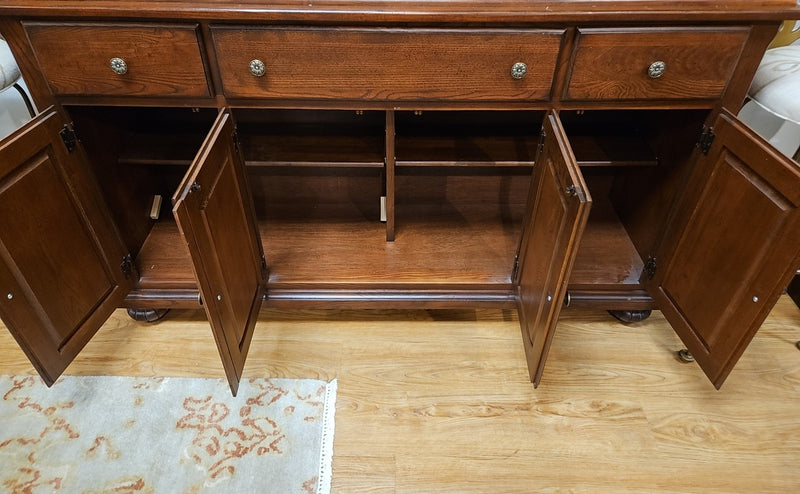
(558, 209)
(215, 215)
(732, 249)
(63, 268)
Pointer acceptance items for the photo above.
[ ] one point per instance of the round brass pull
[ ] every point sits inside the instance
(518, 70)
(119, 66)
(257, 68)
(656, 69)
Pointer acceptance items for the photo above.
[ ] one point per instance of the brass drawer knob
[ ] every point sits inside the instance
(656, 69)
(119, 66)
(518, 70)
(257, 68)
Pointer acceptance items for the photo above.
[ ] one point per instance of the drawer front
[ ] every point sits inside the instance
(387, 64)
(120, 59)
(637, 64)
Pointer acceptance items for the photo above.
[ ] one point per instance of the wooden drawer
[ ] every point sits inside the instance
(159, 60)
(387, 64)
(615, 64)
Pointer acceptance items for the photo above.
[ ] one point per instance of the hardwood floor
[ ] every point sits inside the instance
(439, 401)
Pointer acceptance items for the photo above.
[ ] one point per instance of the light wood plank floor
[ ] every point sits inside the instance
(439, 401)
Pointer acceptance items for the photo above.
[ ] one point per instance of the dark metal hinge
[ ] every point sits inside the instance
(706, 139)
(542, 138)
(650, 267)
(235, 137)
(515, 269)
(127, 266)
(70, 137)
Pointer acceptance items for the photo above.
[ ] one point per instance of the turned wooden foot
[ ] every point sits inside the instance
(794, 290)
(629, 316)
(147, 315)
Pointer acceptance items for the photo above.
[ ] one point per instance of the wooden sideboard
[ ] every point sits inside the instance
(234, 154)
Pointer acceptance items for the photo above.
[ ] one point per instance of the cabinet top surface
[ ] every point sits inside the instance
(414, 10)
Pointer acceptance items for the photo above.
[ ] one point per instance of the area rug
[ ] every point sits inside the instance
(165, 435)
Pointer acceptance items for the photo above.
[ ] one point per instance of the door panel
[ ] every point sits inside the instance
(732, 249)
(215, 216)
(558, 209)
(60, 257)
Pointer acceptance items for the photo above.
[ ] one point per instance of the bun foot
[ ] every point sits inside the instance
(629, 316)
(147, 315)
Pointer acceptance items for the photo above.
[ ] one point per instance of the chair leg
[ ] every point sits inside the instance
(25, 98)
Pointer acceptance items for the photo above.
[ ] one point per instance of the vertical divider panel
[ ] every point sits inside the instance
(390, 159)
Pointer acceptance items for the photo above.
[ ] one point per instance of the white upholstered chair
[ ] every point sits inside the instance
(10, 75)
(774, 107)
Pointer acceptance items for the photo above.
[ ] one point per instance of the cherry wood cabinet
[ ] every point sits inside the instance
(526, 155)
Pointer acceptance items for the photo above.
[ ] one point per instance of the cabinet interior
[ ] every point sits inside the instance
(456, 184)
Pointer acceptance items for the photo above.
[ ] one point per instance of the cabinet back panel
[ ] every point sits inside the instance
(316, 193)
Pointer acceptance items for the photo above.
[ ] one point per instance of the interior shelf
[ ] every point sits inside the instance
(356, 253)
(465, 151)
(608, 138)
(312, 138)
(164, 261)
(312, 150)
(611, 150)
(161, 149)
(434, 139)
(607, 258)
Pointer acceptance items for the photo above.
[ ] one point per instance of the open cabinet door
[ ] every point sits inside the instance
(214, 211)
(558, 208)
(63, 268)
(732, 247)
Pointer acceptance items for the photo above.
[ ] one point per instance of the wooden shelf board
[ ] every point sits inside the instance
(352, 253)
(261, 150)
(163, 261)
(312, 150)
(465, 151)
(161, 149)
(518, 151)
(606, 257)
(430, 248)
(607, 150)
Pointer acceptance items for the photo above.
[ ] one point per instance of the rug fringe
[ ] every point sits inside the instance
(326, 448)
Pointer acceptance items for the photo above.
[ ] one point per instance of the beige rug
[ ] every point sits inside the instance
(165, 435)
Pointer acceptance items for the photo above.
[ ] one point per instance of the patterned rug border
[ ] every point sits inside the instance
(328, 429)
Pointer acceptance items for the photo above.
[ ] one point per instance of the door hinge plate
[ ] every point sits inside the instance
(515, 269)
(706, 139)
(127, 266)
(235, 139)
(542, 139)
(650, 268)
(70, 137)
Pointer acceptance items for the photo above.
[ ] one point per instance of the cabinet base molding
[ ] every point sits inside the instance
(621, 300)
(393, 298)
